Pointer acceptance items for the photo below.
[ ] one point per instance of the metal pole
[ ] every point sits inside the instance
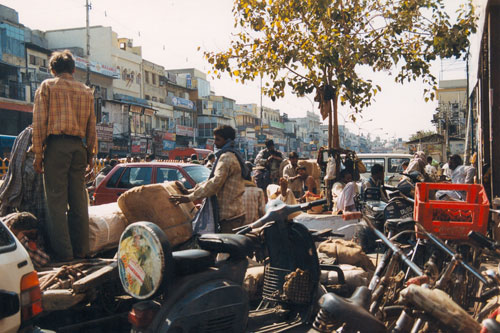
(261, 109)
(469, 116)
(87, 7)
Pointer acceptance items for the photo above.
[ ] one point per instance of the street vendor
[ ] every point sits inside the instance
(63, 116)
(225, 186)
(343, 193)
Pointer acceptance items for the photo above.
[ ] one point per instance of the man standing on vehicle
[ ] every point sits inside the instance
(291, 175)
(225, 186)
(272, 159)
(63, 115)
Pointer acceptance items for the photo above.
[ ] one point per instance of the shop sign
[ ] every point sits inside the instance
(96, 67)
(182, 102)
(169, 136)
(184, 130)
(136, 146)
(168, 145)
(104, 132)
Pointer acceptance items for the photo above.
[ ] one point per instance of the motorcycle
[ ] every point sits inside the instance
(197, 291)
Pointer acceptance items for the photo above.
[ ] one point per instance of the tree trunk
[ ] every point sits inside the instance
(330, 130)
(335, 138)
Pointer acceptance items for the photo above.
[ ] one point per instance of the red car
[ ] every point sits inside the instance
(128, 175)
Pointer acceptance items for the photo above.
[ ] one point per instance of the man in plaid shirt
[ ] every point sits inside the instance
(63, 115)
(226, 182)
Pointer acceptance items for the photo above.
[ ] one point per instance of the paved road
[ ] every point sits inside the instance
(319, 222)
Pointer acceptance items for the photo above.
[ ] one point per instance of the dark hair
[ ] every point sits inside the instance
(113, 163)
(429, 159)
(405, 163)
(210, 156)
(293, 155)
(376, 169)
(226, 132)
(456, 158)
(194, 157)
(344, 172)
(269, 143)
(62, 62)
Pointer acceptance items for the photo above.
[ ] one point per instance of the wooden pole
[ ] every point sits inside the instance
(335, 139)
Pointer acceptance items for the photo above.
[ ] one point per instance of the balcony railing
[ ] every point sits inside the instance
(13, 90)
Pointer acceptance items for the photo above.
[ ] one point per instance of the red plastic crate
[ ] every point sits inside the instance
(452, 219)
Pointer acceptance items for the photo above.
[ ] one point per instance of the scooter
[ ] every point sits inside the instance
(192, 291)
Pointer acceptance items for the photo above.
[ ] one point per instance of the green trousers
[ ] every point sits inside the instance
(64, 162)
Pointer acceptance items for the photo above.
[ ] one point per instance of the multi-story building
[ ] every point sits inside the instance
(451, 114)
(313, 135)
(15, 109)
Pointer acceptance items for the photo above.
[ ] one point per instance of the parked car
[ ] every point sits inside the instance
(129, 175)
(181, 153)
(392, 164)
(20, 295)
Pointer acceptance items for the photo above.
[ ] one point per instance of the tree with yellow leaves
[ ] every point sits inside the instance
(320, 45)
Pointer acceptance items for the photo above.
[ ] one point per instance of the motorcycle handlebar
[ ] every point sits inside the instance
(280, 212)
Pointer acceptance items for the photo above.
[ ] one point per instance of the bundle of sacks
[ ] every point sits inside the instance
(143, 203)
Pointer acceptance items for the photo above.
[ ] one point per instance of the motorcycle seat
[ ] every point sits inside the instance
(238, 246)
(400, 223)
(352, 311)
(192, 261)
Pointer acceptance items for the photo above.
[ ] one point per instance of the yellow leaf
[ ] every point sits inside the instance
(236, 72)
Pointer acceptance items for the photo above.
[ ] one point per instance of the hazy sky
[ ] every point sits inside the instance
(170, 31)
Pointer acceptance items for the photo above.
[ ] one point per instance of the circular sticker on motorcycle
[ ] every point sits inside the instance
(140, 260)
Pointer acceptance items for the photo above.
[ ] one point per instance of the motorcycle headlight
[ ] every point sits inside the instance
(144, 260)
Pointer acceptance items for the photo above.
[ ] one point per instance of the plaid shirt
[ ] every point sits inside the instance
(63, 106)
(254, 202)
(227, 184)
(37, 255)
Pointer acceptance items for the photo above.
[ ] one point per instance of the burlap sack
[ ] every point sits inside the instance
(151, 203)
(106, 224)
(346, 252)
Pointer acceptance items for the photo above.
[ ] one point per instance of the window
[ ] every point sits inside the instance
(113, 181)
(124, 74)
(154, 99)
(135, 176)
(168, 175)
(162, 100)
(32, 60)
(395, 164)
(138, 78)
(147, 97)
(198, 173)
(146, 76)
(153, 78)
(123, 46)
(369, 162)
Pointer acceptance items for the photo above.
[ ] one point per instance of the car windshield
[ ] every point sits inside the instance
(198, 173)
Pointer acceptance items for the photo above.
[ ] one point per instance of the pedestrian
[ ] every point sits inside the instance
(223, 189)
(431, 170)
(210, 160)
(404, 165)
(63, 115)
(291, 175)
(254, 202)
(194, 159)
(460, 174)
(128, 159)
(272, 159)
(376, 181)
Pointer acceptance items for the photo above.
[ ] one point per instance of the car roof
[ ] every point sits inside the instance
(383, 155)
(146, 164)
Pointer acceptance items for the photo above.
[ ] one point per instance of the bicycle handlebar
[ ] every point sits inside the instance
(395, 249)
(445, 248)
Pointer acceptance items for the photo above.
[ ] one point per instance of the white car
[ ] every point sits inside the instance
(20, 295)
